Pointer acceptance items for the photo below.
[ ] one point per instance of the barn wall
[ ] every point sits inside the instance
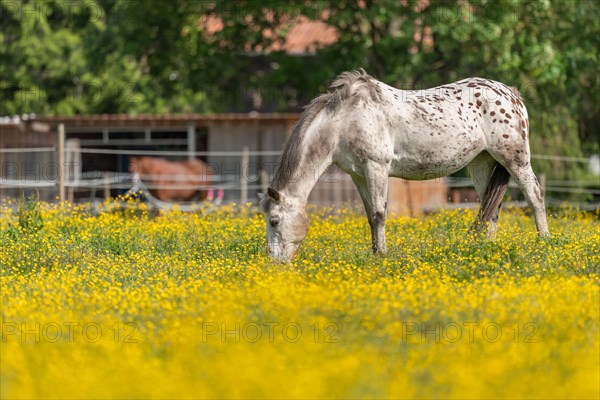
(413, 197)
(39, 167)
(234, 136)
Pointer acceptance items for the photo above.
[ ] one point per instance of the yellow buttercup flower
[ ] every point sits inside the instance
(134, 303)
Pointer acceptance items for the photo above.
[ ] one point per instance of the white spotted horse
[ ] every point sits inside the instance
(372, 131)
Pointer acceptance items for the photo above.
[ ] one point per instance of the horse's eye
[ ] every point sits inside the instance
(274, 222)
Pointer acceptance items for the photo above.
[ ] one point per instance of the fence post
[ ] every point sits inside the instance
(61, 162)
(264, 181)
(244, 175)
(543, 185)
(409, 199)
(191, 139)
(106, 182)
(72, 166)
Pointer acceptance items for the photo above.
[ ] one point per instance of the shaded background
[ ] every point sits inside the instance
(144, 56)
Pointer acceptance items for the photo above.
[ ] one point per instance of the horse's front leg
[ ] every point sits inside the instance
(373, 189)
(377, 223)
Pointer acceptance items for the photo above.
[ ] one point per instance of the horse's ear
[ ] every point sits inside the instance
(274, 194)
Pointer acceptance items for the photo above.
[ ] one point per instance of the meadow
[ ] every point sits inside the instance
(129, 304)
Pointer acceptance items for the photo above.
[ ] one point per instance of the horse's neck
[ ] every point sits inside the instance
(311, 166)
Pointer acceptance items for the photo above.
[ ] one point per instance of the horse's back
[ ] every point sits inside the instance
(433, 132)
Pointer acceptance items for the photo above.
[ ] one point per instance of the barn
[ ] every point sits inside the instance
(242, 149)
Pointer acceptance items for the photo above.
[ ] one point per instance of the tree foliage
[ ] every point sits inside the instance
(119, 56)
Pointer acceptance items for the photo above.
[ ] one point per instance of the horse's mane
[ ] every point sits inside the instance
(341, 89)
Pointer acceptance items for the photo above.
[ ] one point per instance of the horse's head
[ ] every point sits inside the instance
(287, 224)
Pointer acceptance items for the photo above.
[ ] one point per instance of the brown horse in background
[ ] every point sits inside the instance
(173, 180)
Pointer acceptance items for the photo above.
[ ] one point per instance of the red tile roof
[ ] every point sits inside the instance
(308, 36)
(303, 36)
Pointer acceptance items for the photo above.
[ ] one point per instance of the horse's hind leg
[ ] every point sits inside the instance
(534, 194)
(491, 181)
(373, 188)
(518, 164)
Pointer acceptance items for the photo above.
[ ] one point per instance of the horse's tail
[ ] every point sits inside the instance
(495, 191)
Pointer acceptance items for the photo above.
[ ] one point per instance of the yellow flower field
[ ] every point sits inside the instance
(128, 304)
